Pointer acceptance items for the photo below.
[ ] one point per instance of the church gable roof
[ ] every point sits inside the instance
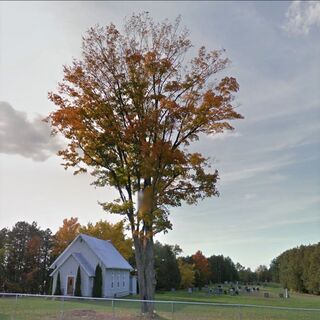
(84, 263)
(103, 249)
(107, 253)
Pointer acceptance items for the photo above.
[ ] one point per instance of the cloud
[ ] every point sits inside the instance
(254, 169)
(225, 134)
(19, 135)
(250, 196)
(301, 16)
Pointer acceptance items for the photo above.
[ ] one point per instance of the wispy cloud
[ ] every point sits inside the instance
(28, 138)
(280, 216)
(301, 16)
(250, 196)
(253, 170)
(225, 135)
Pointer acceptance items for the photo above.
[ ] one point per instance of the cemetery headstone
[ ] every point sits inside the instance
(286, 293)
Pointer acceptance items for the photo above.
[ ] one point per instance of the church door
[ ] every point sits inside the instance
(70, 286)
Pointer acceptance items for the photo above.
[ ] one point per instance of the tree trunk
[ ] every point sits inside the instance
(144, 252)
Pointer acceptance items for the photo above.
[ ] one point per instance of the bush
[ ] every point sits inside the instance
(50, 285)
(97, 283)
(77, 291)
(57, 291)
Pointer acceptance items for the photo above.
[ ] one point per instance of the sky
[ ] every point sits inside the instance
(269, 165)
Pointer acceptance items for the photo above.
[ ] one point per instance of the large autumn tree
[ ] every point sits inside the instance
(130, 107)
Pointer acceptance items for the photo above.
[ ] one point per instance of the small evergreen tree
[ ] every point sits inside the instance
(50, 285)
(77, 291)
(57, 291)
(97, 283)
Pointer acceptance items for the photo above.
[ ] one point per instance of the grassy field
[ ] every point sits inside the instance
(40, 308)
(296, 300)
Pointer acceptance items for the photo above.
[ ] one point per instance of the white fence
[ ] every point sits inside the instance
(16, 306)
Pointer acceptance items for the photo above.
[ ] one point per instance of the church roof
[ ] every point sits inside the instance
(106, 252)
(103, 249)
(84, 263)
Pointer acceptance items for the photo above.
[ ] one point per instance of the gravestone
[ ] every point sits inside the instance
(286, 293)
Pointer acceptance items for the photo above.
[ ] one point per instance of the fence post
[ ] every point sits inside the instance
(172, 310)
(15, 307)
(62, 309)
(113, 310)
(240, 315)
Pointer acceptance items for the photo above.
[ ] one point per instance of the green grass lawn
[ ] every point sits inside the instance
(296, 300)
(41, 308)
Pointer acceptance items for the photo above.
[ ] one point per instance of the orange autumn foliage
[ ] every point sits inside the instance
(65, 235)
(201, 266)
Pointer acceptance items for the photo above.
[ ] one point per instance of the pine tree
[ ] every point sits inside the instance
(50, 285)
(57, 291)
(77, 291)
(97, 283)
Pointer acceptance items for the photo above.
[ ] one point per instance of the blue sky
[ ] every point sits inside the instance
(269, 166)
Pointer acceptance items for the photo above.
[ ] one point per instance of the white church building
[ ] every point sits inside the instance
(87, 252)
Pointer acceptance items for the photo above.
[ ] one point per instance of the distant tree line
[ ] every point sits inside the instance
(197, 270)
(27, 251)
(25, 257)
(298, 269)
